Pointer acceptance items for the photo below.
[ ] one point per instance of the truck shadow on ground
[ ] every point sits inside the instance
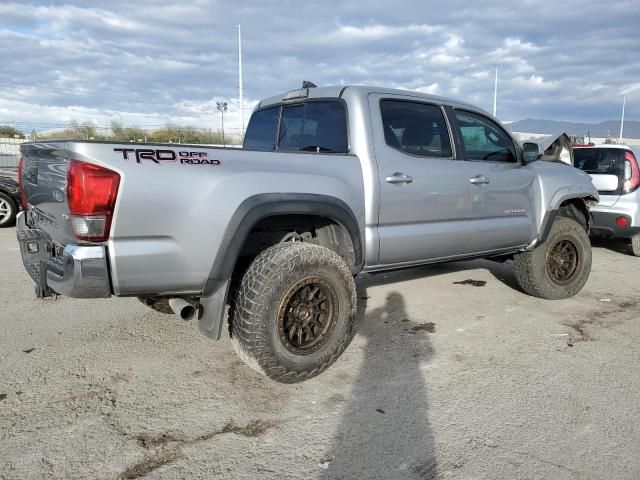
(385, 432)
(501, 271)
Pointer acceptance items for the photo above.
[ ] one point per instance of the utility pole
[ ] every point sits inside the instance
(495, 94)
(222, 107)
(624, 101)
(240, 79)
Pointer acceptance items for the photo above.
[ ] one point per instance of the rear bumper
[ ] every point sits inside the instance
(604, 223)
(80, 271)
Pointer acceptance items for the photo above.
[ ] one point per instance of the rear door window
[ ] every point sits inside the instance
(484, 139)
(415, 128)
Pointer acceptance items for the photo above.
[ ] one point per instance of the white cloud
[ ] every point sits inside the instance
(534, 82)
(432, 89)
(379, 32)
(169, 61)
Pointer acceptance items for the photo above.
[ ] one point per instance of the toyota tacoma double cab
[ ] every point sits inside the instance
(331, 182)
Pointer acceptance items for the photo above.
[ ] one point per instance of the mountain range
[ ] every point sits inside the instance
(610, 128)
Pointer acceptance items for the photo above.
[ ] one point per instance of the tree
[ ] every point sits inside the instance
(75, 131)
(120, 133)
(10, 132)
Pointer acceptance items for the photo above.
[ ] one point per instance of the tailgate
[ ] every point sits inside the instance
(44, 180)
(602, 161)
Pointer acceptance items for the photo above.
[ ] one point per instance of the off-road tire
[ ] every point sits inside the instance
(259, 300)
(9, 218)
(532, 271)
(635, 245)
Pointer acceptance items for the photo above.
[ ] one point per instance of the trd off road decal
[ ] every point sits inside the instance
(184, 157)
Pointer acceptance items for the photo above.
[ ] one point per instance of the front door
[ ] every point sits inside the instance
(501, 188)
(423, 188)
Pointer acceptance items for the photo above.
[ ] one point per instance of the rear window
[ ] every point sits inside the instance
(324, 128)
(600, 160)
(290, 134)
(318, 126)
(261, 132)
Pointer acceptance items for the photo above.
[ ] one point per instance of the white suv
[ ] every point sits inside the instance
(615, 173)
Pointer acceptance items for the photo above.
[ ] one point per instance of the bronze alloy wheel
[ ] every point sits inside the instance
(562, 261)
(307, 315)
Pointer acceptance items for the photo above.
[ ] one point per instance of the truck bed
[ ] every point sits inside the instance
(174, 202)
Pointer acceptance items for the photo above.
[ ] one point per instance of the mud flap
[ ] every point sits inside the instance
(213, 306)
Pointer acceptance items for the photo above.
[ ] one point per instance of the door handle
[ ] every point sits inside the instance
(479, 180)
(399, 177)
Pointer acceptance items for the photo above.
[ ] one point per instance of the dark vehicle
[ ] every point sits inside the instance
(9, 200)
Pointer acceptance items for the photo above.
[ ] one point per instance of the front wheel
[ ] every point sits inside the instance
(293, 311)
(559, 267)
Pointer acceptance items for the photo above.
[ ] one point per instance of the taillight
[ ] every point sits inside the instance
(622, 222)
(631, 173)
(91, 193)
(23, 196)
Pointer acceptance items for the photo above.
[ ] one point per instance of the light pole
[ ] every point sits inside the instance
(222, 107)
(241, 97)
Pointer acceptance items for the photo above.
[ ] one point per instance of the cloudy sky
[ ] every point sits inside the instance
(154, 62)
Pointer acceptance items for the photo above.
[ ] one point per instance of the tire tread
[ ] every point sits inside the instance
(529, 270)
(251, 307)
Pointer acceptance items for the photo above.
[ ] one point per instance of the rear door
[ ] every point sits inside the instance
(501, 188)
(423, 188)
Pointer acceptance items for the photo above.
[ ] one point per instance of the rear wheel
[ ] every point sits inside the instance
(8, 210)
(560, 266)
(293, 311)
(635, 245)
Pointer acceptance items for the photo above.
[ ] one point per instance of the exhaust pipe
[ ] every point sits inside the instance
(182, 308)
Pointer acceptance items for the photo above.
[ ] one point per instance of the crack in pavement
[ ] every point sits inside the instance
(166, 448)
(599, 318)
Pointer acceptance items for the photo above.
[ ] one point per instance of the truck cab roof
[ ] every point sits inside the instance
(340, 91)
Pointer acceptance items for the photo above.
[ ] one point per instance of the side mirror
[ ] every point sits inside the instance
(530, 152)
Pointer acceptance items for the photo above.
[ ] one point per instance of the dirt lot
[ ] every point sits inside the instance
(445, 380)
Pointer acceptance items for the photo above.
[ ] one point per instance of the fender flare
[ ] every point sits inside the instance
(550, 216)
(258, 207)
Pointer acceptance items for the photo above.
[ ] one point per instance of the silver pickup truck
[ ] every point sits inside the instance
(331, 182)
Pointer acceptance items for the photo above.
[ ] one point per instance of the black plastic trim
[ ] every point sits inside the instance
(547, 223)
(258, 207)
(604, 223)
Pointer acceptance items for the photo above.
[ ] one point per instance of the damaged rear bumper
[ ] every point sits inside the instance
(80, 271)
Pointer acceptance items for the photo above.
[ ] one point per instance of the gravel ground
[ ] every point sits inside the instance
(444, 380)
